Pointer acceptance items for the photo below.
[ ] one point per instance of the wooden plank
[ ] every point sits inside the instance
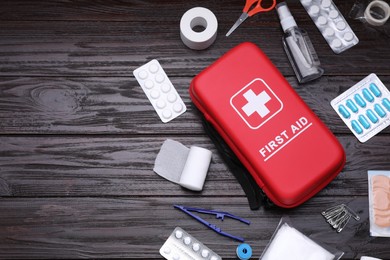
(101, 105)
(123, 166)
(68, 46)
(131, 10)
(136, 228)
(116, 49)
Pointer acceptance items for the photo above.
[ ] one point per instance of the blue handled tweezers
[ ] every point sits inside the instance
(218, 214)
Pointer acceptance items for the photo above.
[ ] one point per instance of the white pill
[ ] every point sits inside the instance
(336, 43)
(161, 104)
(348, 36)
(306, 2)
(143, 74)
(195, 247)
(172, 97)
(322, 20)
(329, 31)
(167, 250)
(167, 113)
(333, 14)
(187, 240)
(326, 3)
(159, 78)
(148, 84)
(153, 68)
(155, 94)
(213, 258)
(165, 88)
(314, 10)
(205, 253)
(178, 107)
(341, 25)
(178, 234)
(176, 257)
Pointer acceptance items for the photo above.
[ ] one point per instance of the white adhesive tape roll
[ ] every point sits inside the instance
(198, 16)
(196, 167)
(385, 8)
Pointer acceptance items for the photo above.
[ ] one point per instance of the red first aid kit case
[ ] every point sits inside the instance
(286, 148)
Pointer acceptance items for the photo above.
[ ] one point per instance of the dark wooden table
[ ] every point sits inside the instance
(78, 137)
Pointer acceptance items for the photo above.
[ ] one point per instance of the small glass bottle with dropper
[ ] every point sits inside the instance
(298, 47)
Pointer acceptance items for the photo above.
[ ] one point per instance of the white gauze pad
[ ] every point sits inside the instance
(185, 166)
(289, 243)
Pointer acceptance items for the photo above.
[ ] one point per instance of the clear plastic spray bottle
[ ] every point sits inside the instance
(298, 47)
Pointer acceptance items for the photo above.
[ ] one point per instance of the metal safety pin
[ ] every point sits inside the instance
(353, 213)
(335, 222)
(218, 214)
(342, 225)
(338, 216)
(329, 213)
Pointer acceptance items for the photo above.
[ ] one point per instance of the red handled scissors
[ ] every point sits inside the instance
(246, 13)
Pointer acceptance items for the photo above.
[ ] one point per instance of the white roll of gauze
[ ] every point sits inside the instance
(198, 16)
(196, 167)
(184, 166)
(383, 6)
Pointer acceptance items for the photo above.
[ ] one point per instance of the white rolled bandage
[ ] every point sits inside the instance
(187, 167)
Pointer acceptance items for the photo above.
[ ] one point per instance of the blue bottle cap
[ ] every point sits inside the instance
(244, 251)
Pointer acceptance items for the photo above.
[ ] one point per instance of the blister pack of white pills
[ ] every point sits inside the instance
(182, 246)
(365, 107)
(160, 91)
(331, 23)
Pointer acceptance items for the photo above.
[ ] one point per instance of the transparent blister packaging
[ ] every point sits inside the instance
(379, 203)
(365, 107)
(288, 243)
(160, 91)
(180, 245)
(331, 23)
